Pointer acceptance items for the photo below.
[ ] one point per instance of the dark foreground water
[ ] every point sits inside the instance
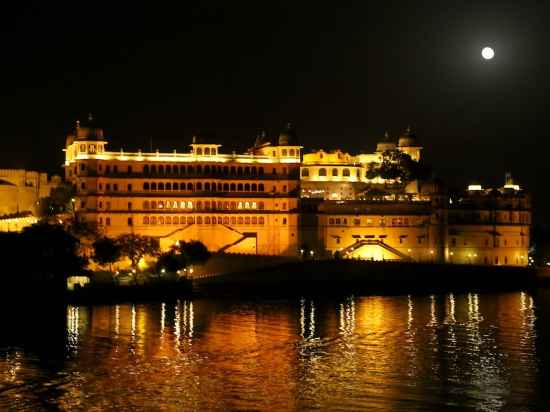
(455, 351)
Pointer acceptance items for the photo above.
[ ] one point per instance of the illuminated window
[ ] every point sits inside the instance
(207, 151)
(220, 220)
(199, 220)
(233, 220)
(322, 172)
(241, 220)
(247, 220)
(254, 220)
(207, 220)
(253, 205)
(240, 205)
(233, 205)
(199, 151)
(334, 172)
(330, 221)
(291, 152)
(261, 220)
(168, 220)
(305, 172)
(345, 173)
(190, 220)
(190, 205)
(175, 204)
(175, 220)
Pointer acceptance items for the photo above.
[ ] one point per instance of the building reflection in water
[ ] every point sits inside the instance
(476, 351)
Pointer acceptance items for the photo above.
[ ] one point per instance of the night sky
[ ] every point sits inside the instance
(342, 72)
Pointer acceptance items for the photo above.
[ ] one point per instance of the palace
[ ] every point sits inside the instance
(275, 200)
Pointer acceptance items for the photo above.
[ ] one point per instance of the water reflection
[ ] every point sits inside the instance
(388, 353)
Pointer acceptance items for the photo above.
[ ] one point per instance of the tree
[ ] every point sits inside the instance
(59, 201)
(54, 252)
(106, 251)
(195, 252)
(171, 261)
(134, 247)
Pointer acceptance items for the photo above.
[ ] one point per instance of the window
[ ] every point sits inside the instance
(247, 220)
(322, 172)
(108, 221)
(115, 187)
(160, 186)
(146, 186)
(129, 205)
(161, 220)
(146, 204)
(129, 169)
(305, 172)
(129, 187)
(145, 220)
(83, 185)
(130, 222)
(345, 173)
(335, 172)
(284, 152)
(261, 220)
(168, 220)
(284, 220)
(284, 188)
(115, 169)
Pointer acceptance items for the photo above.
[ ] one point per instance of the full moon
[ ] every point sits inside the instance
(488, 53)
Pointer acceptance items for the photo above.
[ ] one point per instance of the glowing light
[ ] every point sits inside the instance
(488, 53)
(473, 188)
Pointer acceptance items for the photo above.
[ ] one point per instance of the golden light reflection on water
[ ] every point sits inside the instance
(388, 353)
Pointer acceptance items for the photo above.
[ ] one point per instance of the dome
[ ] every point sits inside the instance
(407, 139)
(287, 136)
(385, 144)
(88, 130)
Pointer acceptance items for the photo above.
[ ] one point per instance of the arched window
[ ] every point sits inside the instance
(161, 220)
(146, 186)
(261, 205)
(239, 171)
(153, 220)
(253, 171)
(190, 187)
(247, 187)
(232, 187)
(199, 151)
(182, 170)
(146, 169)
(291, 152)
(168, 220)
(226, 205)
(146, 204)
(335, 172)
(207, 220)
(198, 205)
(220, 205)
(190, 220)
(168, 186)
(345, 172)
(226, 187)
(199, 220)
(261, 171)
(322, 172)
(168, 169)
(254, 220)
(199, 170)
(233, 220)
(175, 220)
(225, 170)
(261, 187)
(219, 187)
(161, 186)
(247, 171)
(182, 186)
(175, 186)
(190, 170)
(247, 220)
(305, 172)
(198, 186)
(207, 151)
(233, 171)
(153, 204)
(220, 220)
(214, 150)
(154, 169)
(225, 220)
(153, 186)
(284, 152)
(206, 170)
(161, 172)
(254, 187)
(233, 205)
(261, 220)
(240, 220)
(239, 187)
(145, 220)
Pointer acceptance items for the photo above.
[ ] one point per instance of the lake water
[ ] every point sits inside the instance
(455, 351)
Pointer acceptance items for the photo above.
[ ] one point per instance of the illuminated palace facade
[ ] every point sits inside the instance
(232, 203)
(274, 200)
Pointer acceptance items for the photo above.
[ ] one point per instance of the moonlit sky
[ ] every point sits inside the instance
(343, 74)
